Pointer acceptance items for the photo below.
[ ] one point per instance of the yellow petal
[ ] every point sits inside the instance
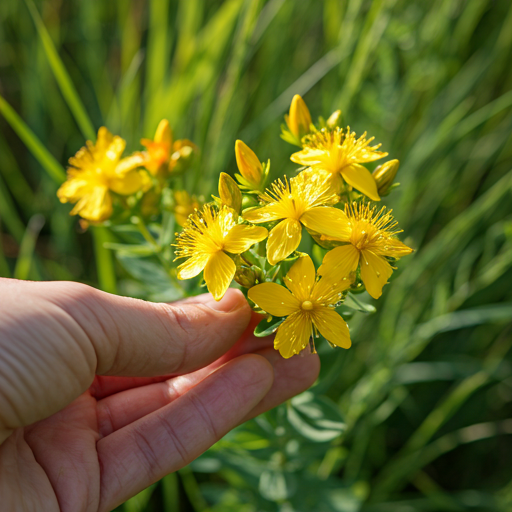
(361, 179)
(248, 163)
(329, 221)
(115, 149)
(283, 240)
(299, 117)
(394, 248)
(308, 156)
(332, 327)
(72, 190)
(130, 183)
(129, 163)
(164, 133)
(340, 262)
(241, 237)
(193, 266)
(266, 213)
(95, 206)
(103, 140)
(301, 278)
(375, 272)
(328, 289)
(274, 299)
(293, 334)
(219, 273)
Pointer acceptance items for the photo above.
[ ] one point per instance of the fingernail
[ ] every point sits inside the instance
(232, 301)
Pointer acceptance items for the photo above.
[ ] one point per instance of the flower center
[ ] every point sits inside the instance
(307, 305)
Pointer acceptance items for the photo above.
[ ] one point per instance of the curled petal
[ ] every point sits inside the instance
(332, 327)
(375, 272)
(274, 299)
(241, 237)
(293, 334)
(301, 278)
(193, 266)
(219, 273)
(329, 221)
(283, 240)
(361, 179)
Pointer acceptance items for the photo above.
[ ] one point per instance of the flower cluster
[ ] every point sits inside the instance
(258, 234)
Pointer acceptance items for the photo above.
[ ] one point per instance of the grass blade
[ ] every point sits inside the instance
(61, 75)
(34, 145)
(23, 267)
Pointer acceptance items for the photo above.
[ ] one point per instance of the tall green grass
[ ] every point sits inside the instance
(416, 416)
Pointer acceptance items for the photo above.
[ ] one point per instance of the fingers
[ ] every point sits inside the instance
(141, 453)
(291, 377)
(136, 338)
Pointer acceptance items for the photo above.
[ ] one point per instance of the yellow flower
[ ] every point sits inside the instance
(253, 175)
(184, 205)
(162, 155)
(97, 170)
(205, 240)
(301, 201)
(299, 119)
(308, 308)
(370, 240)
(340, 154)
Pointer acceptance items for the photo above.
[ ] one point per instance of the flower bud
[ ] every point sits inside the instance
(299, 118)
(229, 192)
(245, 277)
(248, 164)
(384, 175)
(163, 133)
(334, 120)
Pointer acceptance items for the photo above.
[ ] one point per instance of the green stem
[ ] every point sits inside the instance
(104, 260)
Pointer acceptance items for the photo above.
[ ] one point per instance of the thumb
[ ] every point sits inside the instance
(132, 337)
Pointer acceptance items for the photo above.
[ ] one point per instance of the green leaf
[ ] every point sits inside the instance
(353, 303)
(135, 250)
(158, 283)
(315, 417)
(267, 327)
(276, 485)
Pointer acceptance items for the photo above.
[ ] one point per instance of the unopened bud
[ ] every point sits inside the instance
(248, 164)
(334, 120)
(299, 118)
(384, 175)
(229, 192)
(163, 133)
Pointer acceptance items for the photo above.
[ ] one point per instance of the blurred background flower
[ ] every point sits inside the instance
(417, 415)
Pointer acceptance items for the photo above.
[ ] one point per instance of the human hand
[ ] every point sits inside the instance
(100, 395)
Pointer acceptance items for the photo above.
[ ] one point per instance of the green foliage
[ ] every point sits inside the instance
(416, 415)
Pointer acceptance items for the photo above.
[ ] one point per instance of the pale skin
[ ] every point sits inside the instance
(100, 395)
